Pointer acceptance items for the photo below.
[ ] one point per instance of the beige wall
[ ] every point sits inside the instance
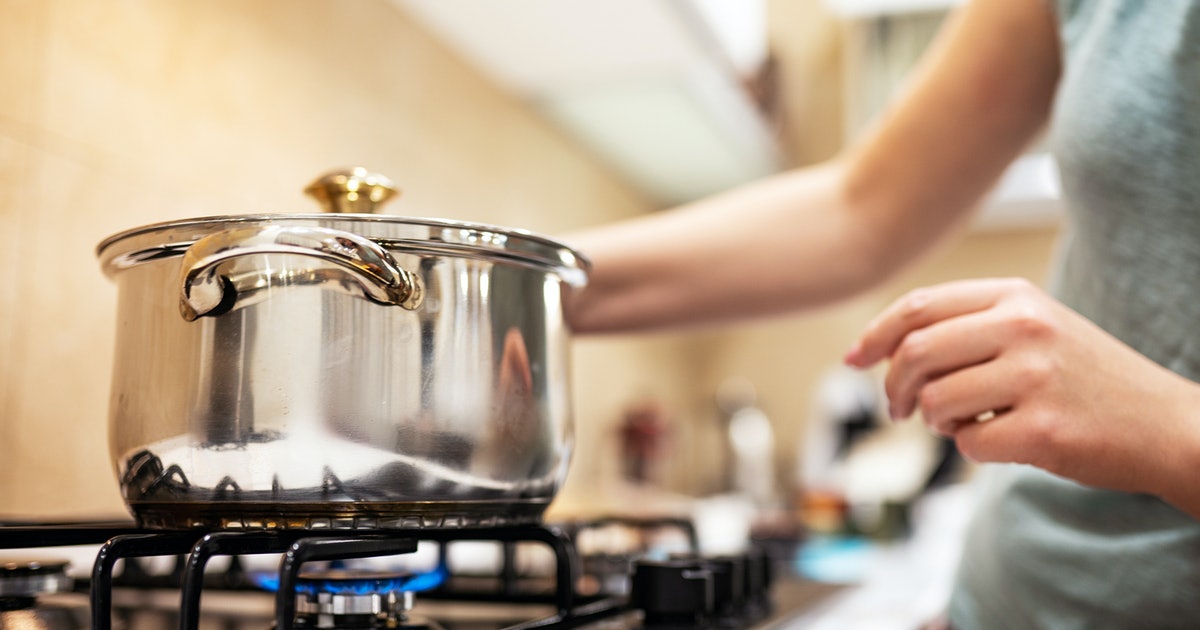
(120, 113)
(116, 114)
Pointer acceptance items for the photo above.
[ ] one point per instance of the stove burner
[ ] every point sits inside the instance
(21, 581)
(342, 598)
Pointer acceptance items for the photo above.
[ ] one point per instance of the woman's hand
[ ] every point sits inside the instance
(1012, 375)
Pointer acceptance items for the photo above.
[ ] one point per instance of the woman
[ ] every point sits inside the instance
(1090, 393)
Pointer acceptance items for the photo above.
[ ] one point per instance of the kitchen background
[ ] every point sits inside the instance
(119, 113)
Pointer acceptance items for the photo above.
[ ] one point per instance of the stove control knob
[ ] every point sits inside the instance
(729, 582)
(676, 593)
(758, 581)
(729, 590)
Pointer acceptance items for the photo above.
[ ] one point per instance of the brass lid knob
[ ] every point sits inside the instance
(353, 190)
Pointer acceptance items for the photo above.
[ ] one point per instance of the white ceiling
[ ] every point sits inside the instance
(652, 87)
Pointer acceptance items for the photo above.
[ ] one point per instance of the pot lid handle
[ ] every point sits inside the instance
(352, 190)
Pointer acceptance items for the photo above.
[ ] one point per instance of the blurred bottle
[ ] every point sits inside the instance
(751, 442)
(644, 434)
(845, 411)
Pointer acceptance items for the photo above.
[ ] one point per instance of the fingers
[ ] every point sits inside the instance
(962, 396)
(1066, 396)
(937, 350)
(919, 309)
(1007, 438)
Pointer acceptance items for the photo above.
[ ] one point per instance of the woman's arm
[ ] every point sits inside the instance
(819, 234)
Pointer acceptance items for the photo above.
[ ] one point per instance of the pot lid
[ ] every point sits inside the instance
(350, 198)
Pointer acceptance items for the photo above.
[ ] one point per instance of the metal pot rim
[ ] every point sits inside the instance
(421, 235)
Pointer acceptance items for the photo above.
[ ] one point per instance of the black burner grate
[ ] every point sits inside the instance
(125, 541)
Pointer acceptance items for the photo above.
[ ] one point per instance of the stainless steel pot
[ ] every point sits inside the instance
(339, 370)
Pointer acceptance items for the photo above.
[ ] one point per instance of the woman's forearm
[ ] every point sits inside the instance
(783, 243)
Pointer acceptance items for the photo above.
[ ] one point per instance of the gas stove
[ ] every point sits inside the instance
(601, 573)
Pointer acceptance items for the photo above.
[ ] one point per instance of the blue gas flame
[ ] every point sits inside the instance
(414, 582)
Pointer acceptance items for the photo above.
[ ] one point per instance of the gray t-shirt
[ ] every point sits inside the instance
(1045, 552)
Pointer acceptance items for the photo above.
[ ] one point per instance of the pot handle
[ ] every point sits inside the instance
(205, 292)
